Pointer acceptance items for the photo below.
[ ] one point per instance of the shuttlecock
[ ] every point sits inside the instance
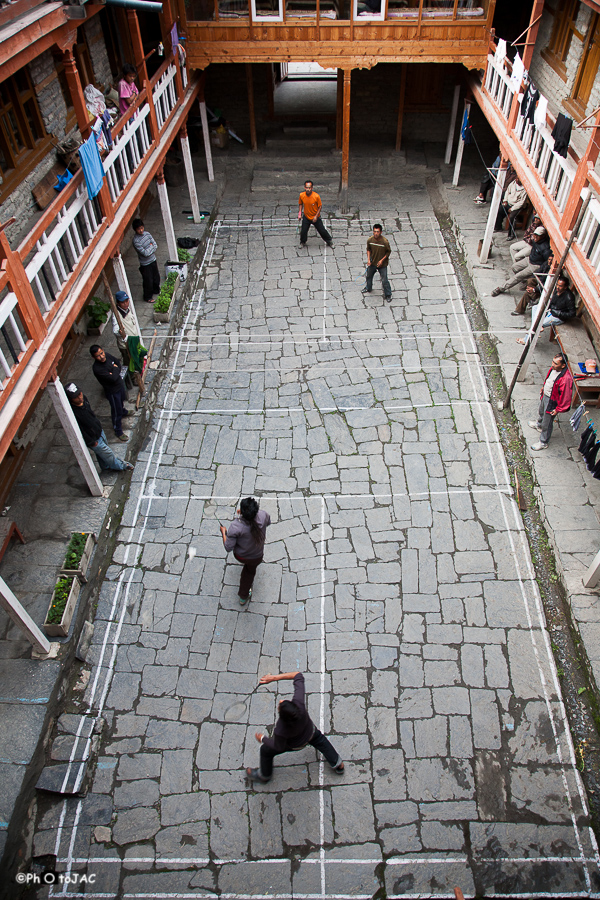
(191, 552)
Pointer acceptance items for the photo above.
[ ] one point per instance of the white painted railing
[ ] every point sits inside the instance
(164, 95)
(130, 147)
(13, 341)
(588, 237)
(60, 249)
(557, 172)
(498, 85)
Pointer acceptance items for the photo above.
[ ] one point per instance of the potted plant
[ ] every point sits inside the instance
(78, 555)
(164, 301)
(97, 313)
(62, 606)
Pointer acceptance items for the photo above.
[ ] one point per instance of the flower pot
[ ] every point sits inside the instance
(61, 629)
(165, 316)
(94, 330)
(84, 562)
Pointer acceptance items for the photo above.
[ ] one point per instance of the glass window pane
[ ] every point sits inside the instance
(269, 10)
(31, 113)
(14, 129)
(301, 9)
(200, 10)
(234, 9)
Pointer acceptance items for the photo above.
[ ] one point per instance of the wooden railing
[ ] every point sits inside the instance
(36, 279)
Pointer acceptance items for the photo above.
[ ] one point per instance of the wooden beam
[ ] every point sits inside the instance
(346, 139)
(339, 109)
(401, 107)
(76, 91)
(250, 89)
(270, 90)
(136, 42)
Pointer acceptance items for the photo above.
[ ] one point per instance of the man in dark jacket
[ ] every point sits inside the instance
(293, 731)
(525, 268)
(107, 370)
(555, 397)
(562, 305)
(92, 431)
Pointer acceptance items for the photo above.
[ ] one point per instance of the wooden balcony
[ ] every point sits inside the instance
(555, 184)
(336, 33)
(46, 281)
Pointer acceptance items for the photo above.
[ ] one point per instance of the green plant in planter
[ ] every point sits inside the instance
(61, 595)
(183, 255)
(75, 550)
(97, 311)
(163, 301)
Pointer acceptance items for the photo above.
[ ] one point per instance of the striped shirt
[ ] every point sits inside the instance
(145, 247)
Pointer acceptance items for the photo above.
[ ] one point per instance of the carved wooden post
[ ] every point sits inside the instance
(346, 140)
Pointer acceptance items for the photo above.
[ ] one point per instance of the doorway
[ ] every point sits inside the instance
(304, 90)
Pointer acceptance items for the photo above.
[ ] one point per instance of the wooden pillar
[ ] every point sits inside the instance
(136, 43)
(250, 89)
(270, 90)
(165, 208)
(493, 213)
(452, 128)
(76, 91)
(29, 311)
(189, 173)
(68, 421)
(401, 107)
(206, 137)
(346, 140)
(15, 611)
(339, 113)
(460, 151)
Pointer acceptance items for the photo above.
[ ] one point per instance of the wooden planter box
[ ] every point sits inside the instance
(84, 562)
(164, 317)
(61, 629)
(92, 331)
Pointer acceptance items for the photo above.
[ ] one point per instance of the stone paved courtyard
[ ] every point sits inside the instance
(397, 577)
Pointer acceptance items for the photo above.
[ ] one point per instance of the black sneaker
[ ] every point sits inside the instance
(365, 290)
(330, 245)
(389, 299)
(244, 600)
(256, 775)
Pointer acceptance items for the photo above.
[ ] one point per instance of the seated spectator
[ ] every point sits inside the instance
(92, 431)
(521, 249)
(529, 298)
(525, 268)
(513, 201)
(562, 305)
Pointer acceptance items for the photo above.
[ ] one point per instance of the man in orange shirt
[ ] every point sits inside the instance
(309, 209)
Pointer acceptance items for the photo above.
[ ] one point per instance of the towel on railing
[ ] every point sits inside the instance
(539, 116)
(91, 165)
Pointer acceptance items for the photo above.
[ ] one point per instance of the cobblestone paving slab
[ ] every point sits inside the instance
(396, 576)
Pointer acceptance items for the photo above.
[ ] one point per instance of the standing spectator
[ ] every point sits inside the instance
(513, 201)
(378, 257)
(555, 397)
(293, 731)
(107, 370)
(521, 249)
(309, 209)
(539, 253)
(245, 537)
(145, 247)
(127, 88)
(123, 321)
(92, 431)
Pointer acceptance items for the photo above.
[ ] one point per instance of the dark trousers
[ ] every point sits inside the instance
(117, 407)
(247, 577)
(384, 279)
(150, 279)
(318, 223)
(318, 741)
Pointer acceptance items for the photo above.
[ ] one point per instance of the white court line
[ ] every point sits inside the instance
(321, 861)
(542, 624)
(322, 703)
(283, 411)
(357, 337)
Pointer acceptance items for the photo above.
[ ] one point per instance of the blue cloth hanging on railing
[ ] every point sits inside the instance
(465, 128)
(91, 165)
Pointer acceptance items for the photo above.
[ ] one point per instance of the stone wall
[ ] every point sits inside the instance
(95, 41)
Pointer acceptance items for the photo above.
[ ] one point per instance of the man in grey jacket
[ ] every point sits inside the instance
(145, 247)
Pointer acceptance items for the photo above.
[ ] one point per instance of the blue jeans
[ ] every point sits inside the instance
(106, 457)
(384, 279)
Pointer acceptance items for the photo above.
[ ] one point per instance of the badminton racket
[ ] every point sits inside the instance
(235, 711)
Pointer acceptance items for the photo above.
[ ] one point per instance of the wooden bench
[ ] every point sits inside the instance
(8, 530)
(573, 339)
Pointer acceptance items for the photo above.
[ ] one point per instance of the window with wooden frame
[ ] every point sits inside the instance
(577, 103)
(23, 138)
(83, 60)
(556, 53)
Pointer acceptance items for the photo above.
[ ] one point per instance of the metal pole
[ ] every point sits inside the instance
(535, 328)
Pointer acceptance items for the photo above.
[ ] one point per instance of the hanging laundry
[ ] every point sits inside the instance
(539, 117)
(500, 53)
(174, 37)
(590, 456)
(528, 104)
(518, 71)
(586, 437)
(596, 472)
(91, 165)
(465, 128)
(577, 416)
(562, 134)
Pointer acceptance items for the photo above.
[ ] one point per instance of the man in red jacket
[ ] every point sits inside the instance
(555, 398)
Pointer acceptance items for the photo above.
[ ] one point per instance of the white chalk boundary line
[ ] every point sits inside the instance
(582, 859)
